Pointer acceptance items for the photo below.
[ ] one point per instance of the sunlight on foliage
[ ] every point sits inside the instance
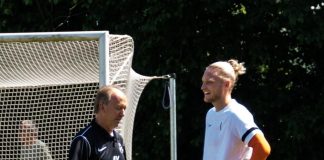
(239, 9)
(300, 62)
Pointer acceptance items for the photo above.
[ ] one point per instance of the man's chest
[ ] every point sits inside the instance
(111, 150)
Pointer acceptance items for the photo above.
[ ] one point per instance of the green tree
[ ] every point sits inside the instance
(280, 41)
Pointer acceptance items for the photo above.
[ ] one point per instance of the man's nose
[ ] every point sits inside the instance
(122, 112)
(202, 86)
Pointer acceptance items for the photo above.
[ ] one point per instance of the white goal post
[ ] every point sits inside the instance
(51, 79)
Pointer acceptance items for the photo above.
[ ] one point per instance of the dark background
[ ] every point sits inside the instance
(280, 41)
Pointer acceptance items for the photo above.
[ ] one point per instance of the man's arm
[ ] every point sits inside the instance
(80, 149)
(261, 147)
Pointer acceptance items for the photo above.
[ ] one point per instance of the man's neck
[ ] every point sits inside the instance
(30, 142)
(221, 104)
(100, 122)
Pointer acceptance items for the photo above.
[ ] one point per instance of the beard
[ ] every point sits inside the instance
(210, 98)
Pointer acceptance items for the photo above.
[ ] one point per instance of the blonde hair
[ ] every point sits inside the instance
(239, 68)
(230, 69)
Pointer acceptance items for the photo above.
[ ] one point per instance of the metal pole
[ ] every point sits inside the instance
(173, 117)
(104, 59)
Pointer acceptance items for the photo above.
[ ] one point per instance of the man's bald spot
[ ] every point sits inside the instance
(104, 95)
(117, 95)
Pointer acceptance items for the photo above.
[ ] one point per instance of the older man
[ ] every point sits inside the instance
(99, 140)
(32, 148)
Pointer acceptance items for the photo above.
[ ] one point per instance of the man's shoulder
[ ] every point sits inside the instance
(239, 110)
(87, 131)
(40, 143)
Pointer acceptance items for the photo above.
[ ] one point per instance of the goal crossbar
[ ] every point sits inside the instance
(100, 36)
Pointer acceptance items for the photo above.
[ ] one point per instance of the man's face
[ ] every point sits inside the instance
(212, 85)
(115, 109)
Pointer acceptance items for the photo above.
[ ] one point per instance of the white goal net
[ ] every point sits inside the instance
(48, 82)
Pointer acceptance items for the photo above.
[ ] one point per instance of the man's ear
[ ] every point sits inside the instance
(101, 106)
(227, 83)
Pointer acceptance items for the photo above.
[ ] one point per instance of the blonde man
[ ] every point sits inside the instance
(230, 128)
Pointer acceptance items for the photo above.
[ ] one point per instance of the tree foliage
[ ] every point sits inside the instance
(280, 41)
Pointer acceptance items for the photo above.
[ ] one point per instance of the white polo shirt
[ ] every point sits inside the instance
(228, 132)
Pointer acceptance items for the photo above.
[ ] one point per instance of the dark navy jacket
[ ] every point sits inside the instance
(95, 143)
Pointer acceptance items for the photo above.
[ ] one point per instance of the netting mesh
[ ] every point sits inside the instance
(43, 63)
(54, 84)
